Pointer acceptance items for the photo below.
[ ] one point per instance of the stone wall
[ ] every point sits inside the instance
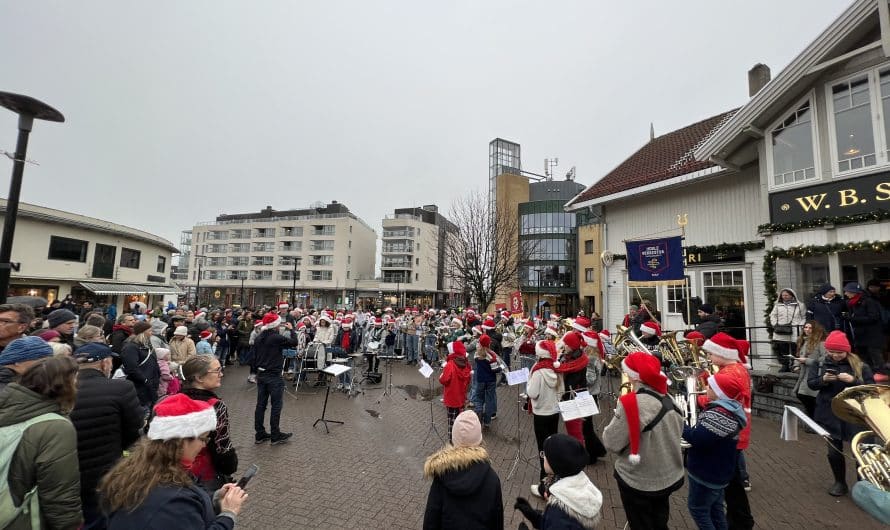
(771, 405)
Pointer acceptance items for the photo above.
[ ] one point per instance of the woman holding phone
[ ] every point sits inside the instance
(810, 352)
(839, 370)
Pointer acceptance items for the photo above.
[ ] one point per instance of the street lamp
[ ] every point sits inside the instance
(538, 304)
(241, 299)
(293, 289)
(27, 108)
(198, 283)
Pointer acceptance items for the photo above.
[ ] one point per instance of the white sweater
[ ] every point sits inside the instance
(544, 388)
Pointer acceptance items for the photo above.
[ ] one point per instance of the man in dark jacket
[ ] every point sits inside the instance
(710, 323)
(826, 308)
(120, 331)
(107, 417)
(863, 313)
(63, 321)
(269, 361)
(14, 322)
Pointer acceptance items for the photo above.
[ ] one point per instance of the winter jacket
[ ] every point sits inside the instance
(107, 417)
(325, 335)
(223, 460)
(267, 351)
(168, 507)
(487, 368)
(244, 328)
(46, 458)
(181, 350)
(145, 376)
(465, 493)
(7, 376)
(455, 379)
(814, 357)
(709, 326)
(496, 340)
(203, 347)
(792, 314)
(864, 319)
(119, 334)
(824, 416)
(827, 312)
(574, 504)
(712, 457)
(740, 373)
(544, 388)
(661, 459)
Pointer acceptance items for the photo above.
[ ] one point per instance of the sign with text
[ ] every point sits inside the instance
(516, 302)
(842, 197)
(655, 260)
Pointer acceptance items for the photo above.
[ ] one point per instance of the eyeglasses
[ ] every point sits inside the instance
(217, 371)
(7, 321)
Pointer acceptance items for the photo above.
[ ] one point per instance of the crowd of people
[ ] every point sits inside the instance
(83, 388)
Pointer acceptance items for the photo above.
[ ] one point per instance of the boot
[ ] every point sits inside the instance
(839, 470)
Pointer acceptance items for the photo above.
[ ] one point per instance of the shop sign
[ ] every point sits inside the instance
(700, 257)
(833, 199)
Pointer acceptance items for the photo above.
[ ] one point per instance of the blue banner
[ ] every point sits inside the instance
(655, 260)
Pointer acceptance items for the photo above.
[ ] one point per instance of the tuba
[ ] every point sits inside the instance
(868, 405)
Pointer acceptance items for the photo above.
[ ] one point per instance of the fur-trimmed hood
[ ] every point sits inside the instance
(461, 470)
(579, 498)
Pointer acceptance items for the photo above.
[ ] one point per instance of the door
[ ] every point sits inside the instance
(725, 290)
(103, 261)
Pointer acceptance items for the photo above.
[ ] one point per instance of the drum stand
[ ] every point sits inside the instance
(518, 457)
(433, 428)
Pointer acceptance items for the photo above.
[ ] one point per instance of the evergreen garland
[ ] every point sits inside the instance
(878, 215)
(714, 249)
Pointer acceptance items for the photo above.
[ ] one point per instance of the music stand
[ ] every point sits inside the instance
(332, 370)
(433, 428)
(518, 456)
(387, 376)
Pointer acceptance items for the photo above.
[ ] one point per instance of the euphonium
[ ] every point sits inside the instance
(627, 342)
(869, 405)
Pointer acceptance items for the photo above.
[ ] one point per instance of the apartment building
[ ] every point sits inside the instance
(311, 256)
(413, 265)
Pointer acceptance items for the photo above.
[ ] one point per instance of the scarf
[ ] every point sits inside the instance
(344, 342)
(851, 303)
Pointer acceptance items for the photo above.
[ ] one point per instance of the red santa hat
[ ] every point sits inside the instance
(206, 334)
(592, 338)
(505, 314)
(347, 323)
(488, 324)
(378, 321)
(529, 325)
(457, 347)
(727, 386)
(695, 336)
(723, 345)
(551, 330)
(179, 416)
(605, 333)
(582, 324)
(256, 323)
(485, 341)
(271, 320)
(283, 305)
(325, 317)
(545, 349)
(651, 327)
(573, 340)
(646, 368)
(470, 312)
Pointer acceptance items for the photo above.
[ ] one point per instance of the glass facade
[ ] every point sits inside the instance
(547, 239)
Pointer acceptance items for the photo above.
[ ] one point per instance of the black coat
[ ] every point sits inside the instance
(267, 351)
(827, 312)
(107, 417)
(465, 493)
(824, 416)
(145, 376)
(865, 322)
(168, 507)
(709, 326)
(496, 339)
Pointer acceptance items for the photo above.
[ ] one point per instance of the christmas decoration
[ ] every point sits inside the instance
(878, 215)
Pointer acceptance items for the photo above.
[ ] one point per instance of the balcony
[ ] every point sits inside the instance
(292, 231)
(265, 261)
(237, 275)
(216, 236)
(261, 275)
(324, 230)
(291, 246)
(264, 232)
(239, 234)
(240, 247)
(216, 249)
(215, 262)
(397, 249)
(396, 263)
(264, 247)
(403, 234)
(317, 246)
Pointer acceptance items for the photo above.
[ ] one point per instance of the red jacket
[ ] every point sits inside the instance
(455, 379)
(738, 371)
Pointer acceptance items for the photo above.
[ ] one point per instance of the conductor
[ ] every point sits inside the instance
(268, 361)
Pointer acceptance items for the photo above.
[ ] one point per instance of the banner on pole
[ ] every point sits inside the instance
(516, 302)
(655, 261)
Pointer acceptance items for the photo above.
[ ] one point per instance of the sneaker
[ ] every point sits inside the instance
(251, 378)
(262, 438)
(747, 485)
(535, 491)
(281, 438)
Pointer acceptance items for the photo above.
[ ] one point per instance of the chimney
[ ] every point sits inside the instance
(758, 77)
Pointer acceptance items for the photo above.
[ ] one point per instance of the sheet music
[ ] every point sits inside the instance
(425, 369)
(336, 369)
(517, 377)
(580, 407)
(789, 424)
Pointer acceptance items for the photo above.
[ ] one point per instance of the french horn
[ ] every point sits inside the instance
(868, 405)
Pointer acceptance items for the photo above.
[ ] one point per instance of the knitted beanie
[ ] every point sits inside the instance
(837, 341)
(466, 431)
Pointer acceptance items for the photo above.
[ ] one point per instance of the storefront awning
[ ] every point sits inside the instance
(129, 288)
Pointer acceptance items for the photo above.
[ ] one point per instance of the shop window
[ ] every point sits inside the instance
(67, 249)
(725, 290)
(162, 264)
(675, 296)
(130, 258)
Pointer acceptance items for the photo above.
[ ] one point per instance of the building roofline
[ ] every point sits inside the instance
(646, 188)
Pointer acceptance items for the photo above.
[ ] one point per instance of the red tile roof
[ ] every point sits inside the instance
(667, 156)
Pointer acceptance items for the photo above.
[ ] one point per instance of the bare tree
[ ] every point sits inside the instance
(483, 253)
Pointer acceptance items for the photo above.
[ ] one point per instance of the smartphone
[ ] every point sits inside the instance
(251, 471)
(831, 371)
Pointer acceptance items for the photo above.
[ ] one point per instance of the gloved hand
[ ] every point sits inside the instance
(533, 516)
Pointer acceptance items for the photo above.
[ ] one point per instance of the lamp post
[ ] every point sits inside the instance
(198, 283)
(355, 296)
(241, 299)
(28, 109)
(538, 304)
(293, 289)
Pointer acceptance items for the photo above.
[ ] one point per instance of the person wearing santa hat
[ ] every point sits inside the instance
(411, 340)
(269, 362)
(711, 457)
(486, 369)
(376, 336)
(489, 328)
(153, 486)
(455, 380)
(729, 355)
(645, 435)
(572, 366)
(650, 334)
(544, 389)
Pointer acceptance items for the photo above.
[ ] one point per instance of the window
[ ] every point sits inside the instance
(323, 230)
(853, 124)
(322, 244)
(162, 264)
(237, 275)
(239, 247)
(289, 260)
(240, 234)
(292, 231)
(347, 275)
(547, 250)
(65, 249)
(588, 275)
(103, 261)
(416, 276)
(675, 296)
(264, 247)
(549, 276)
(262, 275)
(350, 243)
(215, 249)
(321, 275)
(264, 232)
(130, 258)
(725, 290)
(537, 222)
(215, 262)
(417, 261)
(262, 261)
(349, 260)
(238, 261)
(792, 147)
(288, 275)
(291, 246)
(322, 260)
(588, 246)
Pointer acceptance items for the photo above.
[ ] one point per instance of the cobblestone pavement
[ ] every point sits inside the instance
(367, 473)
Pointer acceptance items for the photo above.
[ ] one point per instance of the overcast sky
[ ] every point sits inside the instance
(178, 111)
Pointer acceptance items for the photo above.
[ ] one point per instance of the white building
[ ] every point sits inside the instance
(62, 253)
(312, 256)
(413, 265)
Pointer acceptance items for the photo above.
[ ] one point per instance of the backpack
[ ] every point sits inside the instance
(10, 436)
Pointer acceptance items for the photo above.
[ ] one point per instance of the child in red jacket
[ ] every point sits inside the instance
(455, 379)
